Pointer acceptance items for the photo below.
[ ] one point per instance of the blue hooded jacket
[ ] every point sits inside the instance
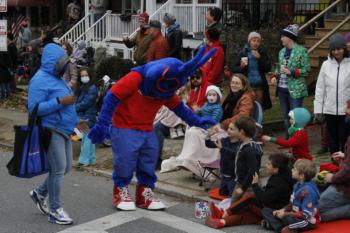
(46, 87)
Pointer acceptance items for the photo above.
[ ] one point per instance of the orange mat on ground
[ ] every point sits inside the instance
(340, 226)
(214, 193)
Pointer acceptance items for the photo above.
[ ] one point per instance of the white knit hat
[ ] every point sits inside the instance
(214, 88)
(254, 35)
(291, 31)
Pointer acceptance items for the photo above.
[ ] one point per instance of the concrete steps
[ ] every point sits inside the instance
(321, 53)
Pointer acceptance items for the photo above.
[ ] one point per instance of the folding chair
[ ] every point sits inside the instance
(258, 116)
(208, 170)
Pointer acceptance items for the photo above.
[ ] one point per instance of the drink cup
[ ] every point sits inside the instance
(244, 60)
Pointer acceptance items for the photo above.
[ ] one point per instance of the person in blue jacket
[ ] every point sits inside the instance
(58, 114)
(86, 109)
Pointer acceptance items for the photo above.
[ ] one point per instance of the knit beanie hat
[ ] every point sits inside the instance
(143, 17)
(212, 34)
(169, 18)
(291, 31)
(254, 35)
(155, 24)
(214, 88)
(347, 37)
(301, 117)
(337, 41)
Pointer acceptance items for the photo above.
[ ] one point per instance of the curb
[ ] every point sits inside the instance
(161, 187)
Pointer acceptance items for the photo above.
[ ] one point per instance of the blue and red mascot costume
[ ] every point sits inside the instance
(132, 104)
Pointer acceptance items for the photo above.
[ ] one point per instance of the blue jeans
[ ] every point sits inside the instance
(134, 150)
(87, 151)
(287, 103)
(334, 205)
(60, 161)
(227, 185)
(161, 131)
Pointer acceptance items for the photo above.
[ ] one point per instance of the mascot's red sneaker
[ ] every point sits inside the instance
(144, 199)
(122, 199)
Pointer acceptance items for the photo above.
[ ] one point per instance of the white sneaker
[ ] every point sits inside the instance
(39, 201)
(60, 216)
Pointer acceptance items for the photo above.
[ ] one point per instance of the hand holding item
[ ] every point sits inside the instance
(244, 62)
(67, 100)
(82, 126)
(256, 54)
(338, 156)
(265, 138)
(218, 143)
(286, 71)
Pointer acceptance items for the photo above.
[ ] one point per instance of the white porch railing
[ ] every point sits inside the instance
(191, 17)
(78, 29)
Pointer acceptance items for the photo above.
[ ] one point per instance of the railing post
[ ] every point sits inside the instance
(171, 6)
(194, 16)
(108, 25)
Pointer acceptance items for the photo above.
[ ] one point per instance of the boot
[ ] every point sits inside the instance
(122, 199)
(144, 199)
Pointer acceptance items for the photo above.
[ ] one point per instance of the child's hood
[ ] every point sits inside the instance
(301, 117)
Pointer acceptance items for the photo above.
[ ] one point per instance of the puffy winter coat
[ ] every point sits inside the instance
(333, 87)
(46, 88)
(86, 105)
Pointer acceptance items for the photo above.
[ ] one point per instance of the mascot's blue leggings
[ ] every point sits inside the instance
(134, 150)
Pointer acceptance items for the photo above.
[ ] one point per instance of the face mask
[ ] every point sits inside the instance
(85, 79)
(212, 99)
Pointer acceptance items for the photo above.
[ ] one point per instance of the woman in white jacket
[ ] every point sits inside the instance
(332, 92)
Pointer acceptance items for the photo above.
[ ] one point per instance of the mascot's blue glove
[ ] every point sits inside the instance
(101, 130)
(192, 119)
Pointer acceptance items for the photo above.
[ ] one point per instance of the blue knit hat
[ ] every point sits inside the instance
(301, 117)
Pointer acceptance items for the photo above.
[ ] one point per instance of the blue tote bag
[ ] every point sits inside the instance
(30, 148)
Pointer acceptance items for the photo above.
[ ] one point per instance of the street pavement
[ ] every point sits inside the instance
(87, 199)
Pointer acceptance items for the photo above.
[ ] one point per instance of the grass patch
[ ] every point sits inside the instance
(275, 114)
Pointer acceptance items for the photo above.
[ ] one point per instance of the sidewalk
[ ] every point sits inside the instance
(178, 183)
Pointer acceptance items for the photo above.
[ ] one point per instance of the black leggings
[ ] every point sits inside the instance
(338, 132)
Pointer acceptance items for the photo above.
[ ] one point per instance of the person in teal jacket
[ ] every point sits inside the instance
(56, 107)
(292, 69)
(86, 108)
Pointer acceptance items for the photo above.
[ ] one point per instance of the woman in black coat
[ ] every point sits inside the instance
(254, 63)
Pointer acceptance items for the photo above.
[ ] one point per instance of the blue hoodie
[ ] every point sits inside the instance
(46, 87)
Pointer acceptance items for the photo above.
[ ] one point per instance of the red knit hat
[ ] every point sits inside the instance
(143, 17)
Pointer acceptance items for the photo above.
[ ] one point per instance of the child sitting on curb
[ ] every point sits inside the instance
(298, 137)
(228, 148)
(302, 214)
(247, 210)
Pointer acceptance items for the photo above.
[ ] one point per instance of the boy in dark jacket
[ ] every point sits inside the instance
(302, 214)
(247, 210)
(228, 148)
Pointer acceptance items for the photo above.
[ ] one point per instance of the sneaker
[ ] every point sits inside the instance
(60, 216)
(265, 224)
(39, 201)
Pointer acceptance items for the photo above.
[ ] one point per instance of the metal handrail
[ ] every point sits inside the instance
(328, 35)
(308, 23)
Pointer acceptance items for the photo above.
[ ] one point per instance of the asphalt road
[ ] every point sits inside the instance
(87, 199)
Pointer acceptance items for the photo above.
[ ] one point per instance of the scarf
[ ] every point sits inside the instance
(172, 28)
(230, 103)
